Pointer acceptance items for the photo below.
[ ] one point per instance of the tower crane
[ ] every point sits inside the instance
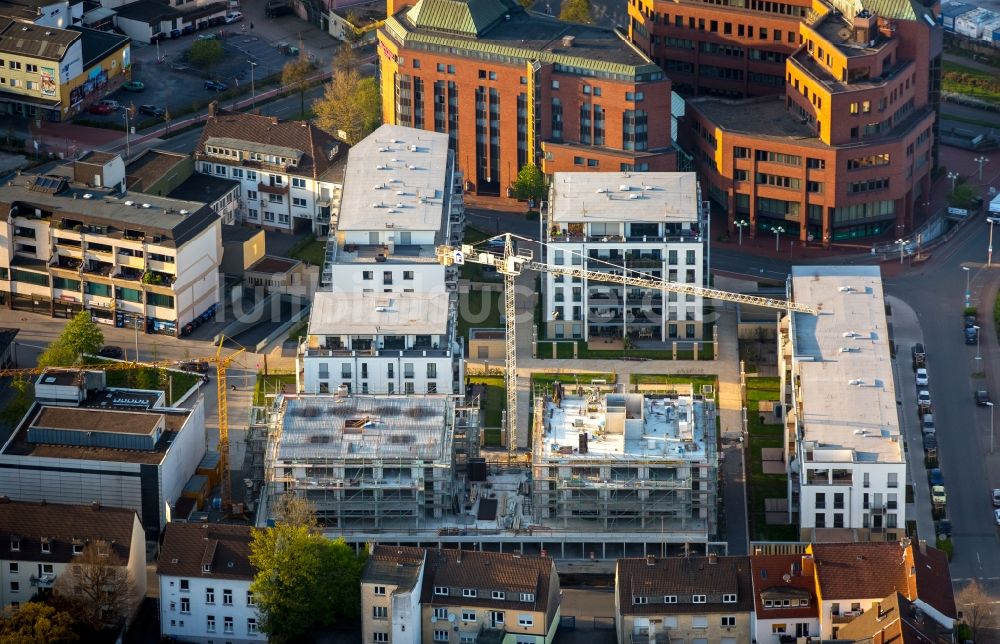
(221, 364)
(511, 261)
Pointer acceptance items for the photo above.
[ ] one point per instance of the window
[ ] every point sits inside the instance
(440, 636)
(13, 568)
(699, 621)
(777, 629)
(15, 544)
(698, 599)
(251, 626)
(380, 637)
(440, 590)
(526, 621)
(237, 173)
(185, 604)
(298, 183)
(268, 216)
(729, 599)
(252, 213)
(210, 623)
(227, 625)
(821, 500)
(380, 612)
(299, 202)
(379, 590)
(273, 198)
(209, 595)
(441, 613)
(820, 519)
(728, 621)
(250, 598)
(468, 592)
(367, 275)
(468, 615)
(893, 476)
(77, 548)
(555, 84)
(252, 195)
(184, 586)
(46, 546)
(527, 597)
(15, 586)
(498, 594)
(638, 600)
(670, 599)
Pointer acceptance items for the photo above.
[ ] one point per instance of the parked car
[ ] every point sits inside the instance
(927, 424)
(111, 351)
(114, 105)
(970, 321)
(934, 477)
(924, 400)
(99, 108)
(938, 496)
(943, 528)
(215, 85)
(134, 86)
(918, 355)
(152, 110)
(922, 379)
(982, 397)
(996, 498)
(208, 36)
(971, 335)
(188, 29)
(175, 33)
(235, 16)
(930, 442)
(996, 516)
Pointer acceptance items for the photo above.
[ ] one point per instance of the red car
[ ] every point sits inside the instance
(100, 108)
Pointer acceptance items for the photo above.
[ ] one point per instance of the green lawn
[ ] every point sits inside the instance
(149, 378)
(763, 486)
(310, 250)
(971, 82)
(270, 384)
(545, 379)
(675, 379)
(496, 399)
(478, 309)
(562, 350)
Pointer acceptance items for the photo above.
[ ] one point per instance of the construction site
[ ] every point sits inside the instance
(625, 461)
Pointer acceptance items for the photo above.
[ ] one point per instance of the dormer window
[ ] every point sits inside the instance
(441, 590)
(102, 549)
(729, 599)
(768, 603)
(527, 597)
(46, 546)
(15, 544)
(698, 599)
(637, 600)
(206, 568)
(499, 594)
(670, 599)
(77, 548)
(468, 592)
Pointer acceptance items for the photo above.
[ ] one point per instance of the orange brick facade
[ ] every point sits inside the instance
(505, 110)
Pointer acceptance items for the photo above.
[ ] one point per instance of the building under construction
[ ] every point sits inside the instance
(618, 461)
(372, 462)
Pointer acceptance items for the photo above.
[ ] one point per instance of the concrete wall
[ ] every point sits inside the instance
(182, 459)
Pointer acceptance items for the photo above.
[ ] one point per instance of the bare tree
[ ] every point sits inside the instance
(99, 585)
(976, 608)
(291, 509)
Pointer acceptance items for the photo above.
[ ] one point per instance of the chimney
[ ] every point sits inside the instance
(274, 120)
(459, 553)
(923, 546)
(567, 41)
(650, 560)
(879, 613)
(95, 506)
(807, 566)
(213, 109)
(713, 559)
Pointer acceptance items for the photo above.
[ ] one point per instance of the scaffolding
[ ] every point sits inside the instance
(372, 461)
(625, 461)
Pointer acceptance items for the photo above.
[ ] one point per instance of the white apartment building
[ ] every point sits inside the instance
(290, 172)
(651, 224)
(847, 470)
(131, 259)
(204, 576)
(81, 443)
(381, 343)
(39, 540)
(388, 323)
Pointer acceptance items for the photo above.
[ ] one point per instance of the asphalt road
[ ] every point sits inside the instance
(936, 293)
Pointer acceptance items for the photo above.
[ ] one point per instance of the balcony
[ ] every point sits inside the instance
(156, 278)
(100, 269)
(131, 261)
(161, 266)
(68, 264)
(129, 274)
(43, 581)
(846, 616)
(646, 638)
(281, 189)
(101, 250)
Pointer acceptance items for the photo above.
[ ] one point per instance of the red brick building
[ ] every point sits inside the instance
(511, 87)
(844, 147)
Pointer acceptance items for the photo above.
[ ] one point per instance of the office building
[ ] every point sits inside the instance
(290, 172)
(621, 462)
(841, 137)
(846, 465)
(511, 87)
(82, 442)
(651, 225)
(204, 575)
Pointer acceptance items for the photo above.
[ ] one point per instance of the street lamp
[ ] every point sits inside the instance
(128, 145)
(968, 293)
(253, 91)
(990, 405)
(981, 160)
(953, 176)
(741, 224)
(989, 249)
(978, 355)
(777, 234)
(902, 247)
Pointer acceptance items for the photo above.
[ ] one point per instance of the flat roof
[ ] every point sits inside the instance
(272, 264)
(365, 427)
(335, 313)
(204, 188)
(764, 116)
(96, 420)
(35, 41)
(396, 179)
(150, 166)
(667, 197)
(845, 369)
(98, 45)
(628, 427)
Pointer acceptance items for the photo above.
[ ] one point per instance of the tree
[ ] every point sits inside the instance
(99, 585)
(19, 403)
(527, 4)
(976, 607)
(350, 105)
(82, 335)
(292, 509)
(37, 623)
(352, 34)
(530, 183)
(294, 75)
(303, 579)
(205, 54)
(576, 11)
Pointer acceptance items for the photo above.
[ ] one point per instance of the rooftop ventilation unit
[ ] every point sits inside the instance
(88, 196)
(378, 186)
(395, 160)
(624, 187)
(399, 205)
(648, 188)
(183, 212)
(393, 141)
(145, 205)
(846, 289)
(377, 204)
(849, 349)
(383, 149)
(633, 196)
(412, 167)
(850, 334)
(601, 191)
(129, 203)
(413, 148)
(400, 193)
(857, 382)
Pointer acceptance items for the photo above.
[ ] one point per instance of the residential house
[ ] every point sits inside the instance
(38, 540)
(291, 172)
(897, 620)
(169, 174)
(690, 599)
(59, 14)
(785, 600)
(464, 596)
(204, 575)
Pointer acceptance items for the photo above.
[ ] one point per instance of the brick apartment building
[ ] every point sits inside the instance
(840, 145)
(511, 87)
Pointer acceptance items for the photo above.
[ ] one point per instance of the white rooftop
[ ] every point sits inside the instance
(627, 427)
(337, 313)
(848, 396)
(396, 179)
(666, 197)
